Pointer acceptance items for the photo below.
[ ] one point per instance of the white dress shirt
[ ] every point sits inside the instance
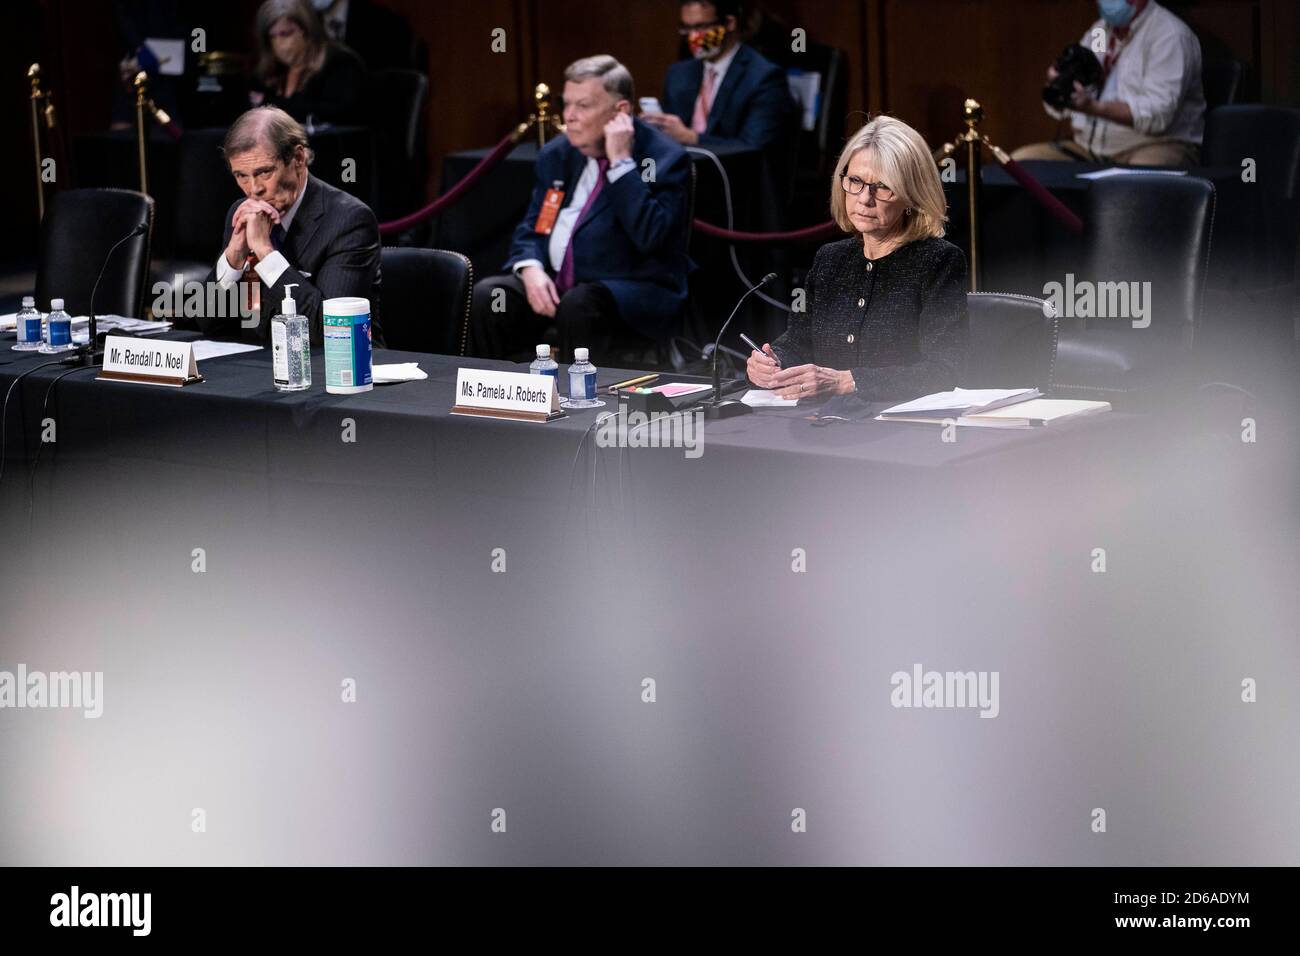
(1158, 74)
(568, 217)
(272, 267)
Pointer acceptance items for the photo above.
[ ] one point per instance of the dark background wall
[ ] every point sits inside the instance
(915, 58)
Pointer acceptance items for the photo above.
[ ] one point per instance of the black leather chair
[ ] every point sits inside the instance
(1137, 229)
(1012, 341)
(79, 229)
(426, 300)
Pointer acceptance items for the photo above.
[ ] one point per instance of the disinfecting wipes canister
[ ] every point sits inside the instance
(347, 345)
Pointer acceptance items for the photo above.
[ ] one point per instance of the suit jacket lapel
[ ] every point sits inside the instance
(723, 95)
(305, 222)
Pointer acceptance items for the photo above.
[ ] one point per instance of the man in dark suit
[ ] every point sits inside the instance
(602, 248)
(727, 92)
(290, 229)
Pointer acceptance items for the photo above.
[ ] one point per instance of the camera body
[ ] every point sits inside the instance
(1076, 63)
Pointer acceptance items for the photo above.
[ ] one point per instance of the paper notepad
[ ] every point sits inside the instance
(764, 398)
(960, 401)
(1030, 414)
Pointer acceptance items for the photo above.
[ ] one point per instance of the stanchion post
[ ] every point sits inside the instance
(34, 75)
(973, 114)
(141, 91)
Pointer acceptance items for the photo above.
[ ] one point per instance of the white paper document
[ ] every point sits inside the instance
(397, 372)
(206, 349)
(764, 398)
(961, 401)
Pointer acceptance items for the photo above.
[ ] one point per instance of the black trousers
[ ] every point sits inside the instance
(503, 325)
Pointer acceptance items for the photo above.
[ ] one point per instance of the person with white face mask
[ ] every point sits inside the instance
(1150, 110)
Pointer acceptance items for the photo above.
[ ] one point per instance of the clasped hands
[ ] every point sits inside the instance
(251, 231)
(801, 381)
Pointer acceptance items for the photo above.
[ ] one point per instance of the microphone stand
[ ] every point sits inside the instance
(86, 356)
(716, 408)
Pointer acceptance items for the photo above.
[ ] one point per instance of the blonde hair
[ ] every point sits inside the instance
(902, 160)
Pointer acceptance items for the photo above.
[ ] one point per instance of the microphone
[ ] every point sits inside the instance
(86, 355)
(729, 409)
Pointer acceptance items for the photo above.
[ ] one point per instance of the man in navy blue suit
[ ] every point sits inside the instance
(727, 92)
(603, 244)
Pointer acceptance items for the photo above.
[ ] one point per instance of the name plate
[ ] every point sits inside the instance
(149, 362)
(517, 395)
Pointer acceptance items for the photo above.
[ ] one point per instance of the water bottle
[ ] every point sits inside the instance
(545, 365)
(30, 333)
(582, 383)
(290, 346)
(58, 329)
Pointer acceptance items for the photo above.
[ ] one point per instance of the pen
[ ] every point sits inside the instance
(750, 342)
(640, 380)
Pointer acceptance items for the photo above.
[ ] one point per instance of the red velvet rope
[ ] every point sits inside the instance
(1039, 192)
(809, 234)
(485, 166)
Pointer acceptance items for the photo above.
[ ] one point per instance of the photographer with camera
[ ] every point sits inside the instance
(1132, 90)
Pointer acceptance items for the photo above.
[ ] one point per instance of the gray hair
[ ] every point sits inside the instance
(614, 76)
(267, 126)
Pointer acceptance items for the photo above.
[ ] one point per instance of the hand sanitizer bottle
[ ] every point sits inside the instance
(290, 346)
(582, 383)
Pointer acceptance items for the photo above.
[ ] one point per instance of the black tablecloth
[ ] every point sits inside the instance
(501, 592)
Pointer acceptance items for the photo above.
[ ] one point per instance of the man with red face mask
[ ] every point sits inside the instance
(726, 92)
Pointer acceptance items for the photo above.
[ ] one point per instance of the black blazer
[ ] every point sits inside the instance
(898, 322)
(333, 250)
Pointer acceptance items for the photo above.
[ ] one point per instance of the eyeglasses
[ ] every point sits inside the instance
(854, 186)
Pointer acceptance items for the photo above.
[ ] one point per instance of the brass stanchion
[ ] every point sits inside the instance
(972, 116)
(37, 97)
(144, 104)
(541, 118)
(141, 88)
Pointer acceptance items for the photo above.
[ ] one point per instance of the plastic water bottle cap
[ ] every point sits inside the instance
(580, 355)
(288, 306)
(543, 351)
(56, 305)
(29, 302)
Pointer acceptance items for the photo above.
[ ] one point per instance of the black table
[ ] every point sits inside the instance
(499, 592)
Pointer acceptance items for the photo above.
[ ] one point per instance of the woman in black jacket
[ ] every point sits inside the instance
(301, 71)
(885, 310)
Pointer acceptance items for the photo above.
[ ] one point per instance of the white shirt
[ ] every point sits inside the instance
(1158, 74)
(568, 217)
(272, 267)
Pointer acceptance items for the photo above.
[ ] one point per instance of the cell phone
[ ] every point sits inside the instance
(650, 104)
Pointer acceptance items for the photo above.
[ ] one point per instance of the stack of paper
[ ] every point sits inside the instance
(960, 401)
(764, 398)
(1026, 414)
